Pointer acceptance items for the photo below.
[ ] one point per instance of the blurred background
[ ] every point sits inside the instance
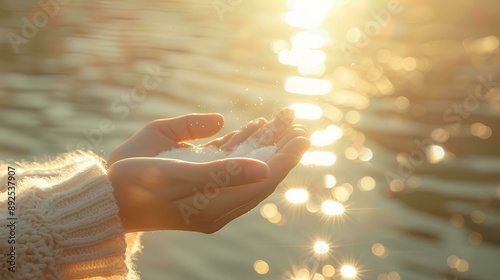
(400, 98)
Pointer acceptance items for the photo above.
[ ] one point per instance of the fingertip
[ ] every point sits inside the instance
(217, 119)
(303, 143)
(207, 124)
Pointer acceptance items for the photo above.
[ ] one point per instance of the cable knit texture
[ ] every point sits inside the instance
(67, 223)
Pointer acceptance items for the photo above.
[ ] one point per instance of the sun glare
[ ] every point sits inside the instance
(297, 196)
(307, 14)
(306, 111)
(321, 247)
(348, 271)
(307, 86)
(302, 57)
(322, 158)
(332, 208)
(326, 137)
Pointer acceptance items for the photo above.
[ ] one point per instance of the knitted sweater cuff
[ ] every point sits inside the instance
(68, 223)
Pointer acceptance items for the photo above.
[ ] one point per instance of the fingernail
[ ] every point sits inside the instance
(256, 172)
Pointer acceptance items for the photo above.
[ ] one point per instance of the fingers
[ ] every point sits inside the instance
(176, 179)
(272, 132)
(295, 132)
(229, 173)
(233, 202)
(220, 141)
(189, 127)
(244, 133)
(287, 158)
(290, 157)
(163, 134)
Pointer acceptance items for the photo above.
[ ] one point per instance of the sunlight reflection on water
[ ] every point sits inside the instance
(363, 116)
(303, 51)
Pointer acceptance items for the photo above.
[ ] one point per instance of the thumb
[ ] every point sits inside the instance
(189, 127)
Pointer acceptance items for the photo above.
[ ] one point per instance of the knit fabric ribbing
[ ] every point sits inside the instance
(67, 224)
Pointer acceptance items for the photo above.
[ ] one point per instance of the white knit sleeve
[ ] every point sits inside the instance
(65, 224)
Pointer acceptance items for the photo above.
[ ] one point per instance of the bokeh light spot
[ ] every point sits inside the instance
(341, 193)
(396, 185)
(379, 250)
(330, 181)
(261, 267)
(475, 238)
(307, 86)
(477, 216)
(297, 196)
(326, 137)
(328, 270)
(268, 210)
(481, 131)
(366, 183)
(332, 208)
(322, 158)
(436, 154)
(457, 220)
(306, 111)
(321, 247)
(348, 271)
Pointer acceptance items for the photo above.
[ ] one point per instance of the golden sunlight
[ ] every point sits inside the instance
(307, 86)
(436, 154)
(297, 196)
(332, 208)
(306, 111)
(261, 267)
(348, 271)
(269, 210)
(307, 40)
(322, 158)
(328, 270)
(321, 247)
(302, 57)
(330, 181)
(307, 14)
(326, 137)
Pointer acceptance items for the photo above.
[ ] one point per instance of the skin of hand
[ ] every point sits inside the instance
(170, 194)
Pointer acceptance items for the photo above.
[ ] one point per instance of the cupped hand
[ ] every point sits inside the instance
(168, 194)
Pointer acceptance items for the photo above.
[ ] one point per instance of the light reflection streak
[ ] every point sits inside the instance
(326, 137)
(317, 70)
(307, 40)
(322, 158)
(303, 51)
(321, 247)
(307, 14)
(302, 57)
(297, 196)
(307, 86)
(306, 111)
(332, 208)
(348, 271)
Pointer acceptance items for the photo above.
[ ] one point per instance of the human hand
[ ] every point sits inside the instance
(161, 194)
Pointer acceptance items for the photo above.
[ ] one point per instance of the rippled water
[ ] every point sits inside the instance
(403, 115)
